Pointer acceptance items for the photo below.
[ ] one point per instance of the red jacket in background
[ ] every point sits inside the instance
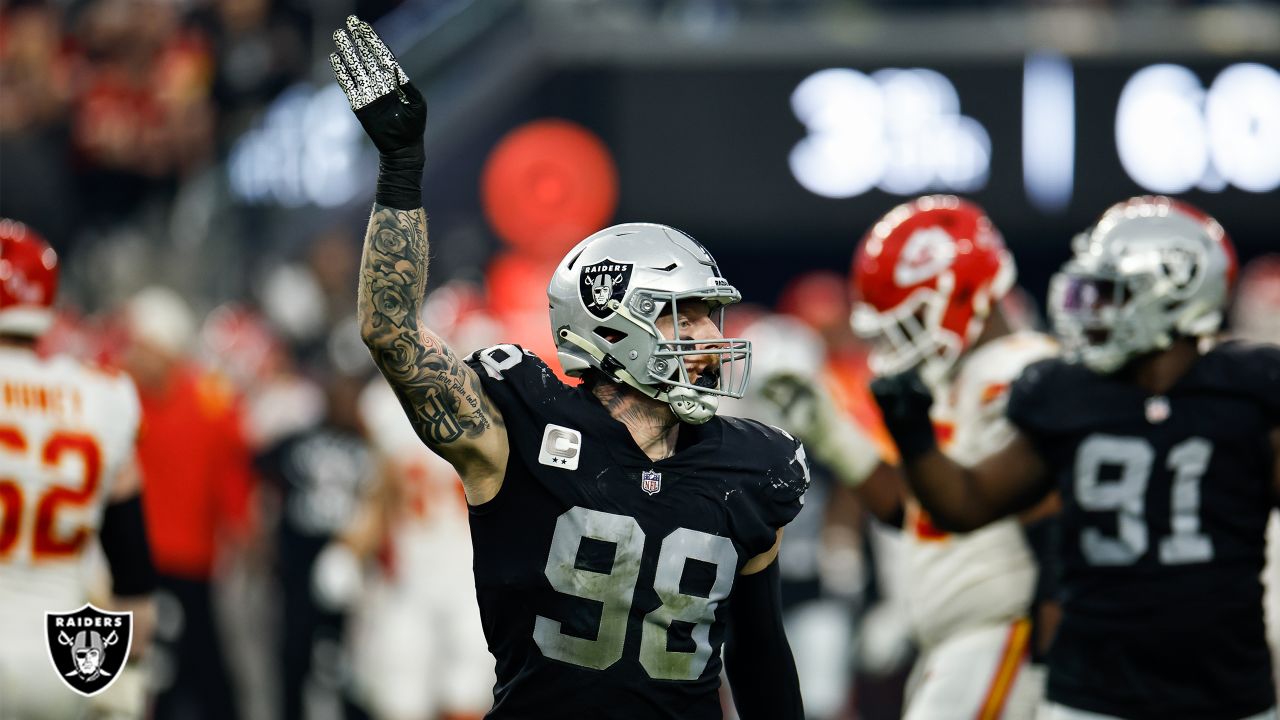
(197, 471)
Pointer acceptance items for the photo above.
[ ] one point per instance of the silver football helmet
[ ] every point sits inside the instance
(606, 296)
(1150, 270)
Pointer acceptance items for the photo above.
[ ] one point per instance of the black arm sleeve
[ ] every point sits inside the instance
(124, 541)
(758, 660)
(1042, 536)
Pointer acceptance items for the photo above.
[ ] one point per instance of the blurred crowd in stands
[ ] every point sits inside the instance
(111, 104)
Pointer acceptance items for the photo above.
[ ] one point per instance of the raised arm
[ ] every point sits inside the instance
(958, 498)
(441, 395)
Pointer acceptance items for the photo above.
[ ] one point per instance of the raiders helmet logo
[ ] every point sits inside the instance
(604, 281)
(88, 647)
(1183, 266)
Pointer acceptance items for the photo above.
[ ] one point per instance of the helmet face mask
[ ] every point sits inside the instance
(728, 370)
(611, 292)
(926, 277)
(909, 335)
(1149, 271)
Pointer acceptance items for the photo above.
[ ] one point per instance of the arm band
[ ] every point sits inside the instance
(1042, 536)
(758, 660)
(124, 541)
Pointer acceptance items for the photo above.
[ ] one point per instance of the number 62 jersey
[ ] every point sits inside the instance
(1165, 504)
(66, 432)
(603, 577)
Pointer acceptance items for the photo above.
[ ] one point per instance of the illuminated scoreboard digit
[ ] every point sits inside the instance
(1173, 134)
(902, 131)
(897, 130)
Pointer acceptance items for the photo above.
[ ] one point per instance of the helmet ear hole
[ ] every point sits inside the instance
(609, 335)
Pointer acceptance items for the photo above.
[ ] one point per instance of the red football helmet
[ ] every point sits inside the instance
(28, 280)
(925, 277)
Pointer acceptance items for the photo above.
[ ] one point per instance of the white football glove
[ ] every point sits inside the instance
(808, 413)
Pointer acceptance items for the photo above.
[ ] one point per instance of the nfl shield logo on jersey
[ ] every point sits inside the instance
(650, 481)
(1157, 409)
(88, 647)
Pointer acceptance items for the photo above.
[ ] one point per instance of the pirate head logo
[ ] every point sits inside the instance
(1182, 266)
(88, 647)
(604, 281)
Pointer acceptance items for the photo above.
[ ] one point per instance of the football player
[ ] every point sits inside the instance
(67, 476)
(928, 279)
(419, 648)
(1165, 450)
(621, 530)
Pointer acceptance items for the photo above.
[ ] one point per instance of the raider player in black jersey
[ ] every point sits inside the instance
(1166, 452)
(622, 531)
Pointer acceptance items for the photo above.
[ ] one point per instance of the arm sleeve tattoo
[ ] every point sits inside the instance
(440, 394)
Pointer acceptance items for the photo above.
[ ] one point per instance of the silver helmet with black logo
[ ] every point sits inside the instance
(1151, 269)
(606, 297)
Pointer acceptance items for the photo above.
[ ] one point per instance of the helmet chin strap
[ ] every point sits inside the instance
(692, 406)
(688, 404)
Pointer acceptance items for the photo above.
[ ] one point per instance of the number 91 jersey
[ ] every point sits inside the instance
(1165, 505)
(603, 577)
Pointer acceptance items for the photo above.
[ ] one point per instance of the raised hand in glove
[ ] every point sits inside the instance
(388, 106)
(904, 402)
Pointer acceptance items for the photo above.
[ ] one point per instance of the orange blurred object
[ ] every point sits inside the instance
(548, 184)
(517, 282)
(517, 290)
(819, 298)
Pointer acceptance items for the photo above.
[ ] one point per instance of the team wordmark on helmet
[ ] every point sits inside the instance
(88, 647)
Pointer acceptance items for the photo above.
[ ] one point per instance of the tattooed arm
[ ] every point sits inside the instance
(441, 395)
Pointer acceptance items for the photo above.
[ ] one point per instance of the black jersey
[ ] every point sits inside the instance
(1165, 505)
(603, 577)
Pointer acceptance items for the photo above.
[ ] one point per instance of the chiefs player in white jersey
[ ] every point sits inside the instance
(67, 477)
(928, 279)
(418, 649)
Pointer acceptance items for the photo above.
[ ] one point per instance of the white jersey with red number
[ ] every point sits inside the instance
(65, 432)
(958, 582)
